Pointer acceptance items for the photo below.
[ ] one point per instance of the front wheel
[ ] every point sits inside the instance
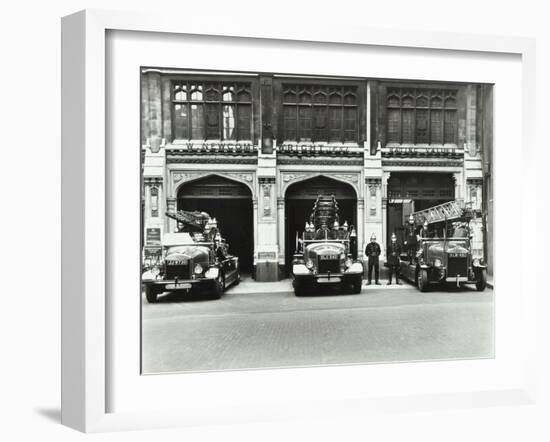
(219, 286)
(423, 280)
(299, 289)
(481, 280)
(357, 285)
(151, 294)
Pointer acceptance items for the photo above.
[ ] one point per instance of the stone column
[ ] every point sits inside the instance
(374, 212)
(152, 110)
(255, 224)
(360, 227)
(171, 206)
(474, 196)
(458, 178)
(153, 221)
(281, 233)
(267, 247)
(384, 207)
(267, 260)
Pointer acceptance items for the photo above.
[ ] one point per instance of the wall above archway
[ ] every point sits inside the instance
(288, 179)
(178, 178)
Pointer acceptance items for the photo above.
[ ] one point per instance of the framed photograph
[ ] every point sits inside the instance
(280, 223)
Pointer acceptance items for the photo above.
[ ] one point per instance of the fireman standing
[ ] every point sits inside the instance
(411, 239)
(424, 231)
(393, 252)
(372, 251)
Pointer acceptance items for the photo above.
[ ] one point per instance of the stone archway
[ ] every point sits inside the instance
(230, 202)
(298, 203)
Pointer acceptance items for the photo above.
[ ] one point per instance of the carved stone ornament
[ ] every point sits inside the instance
(239, 176)
(289, 178)
(186, 176)
(152, 180)
(243, 177)
(267, 199)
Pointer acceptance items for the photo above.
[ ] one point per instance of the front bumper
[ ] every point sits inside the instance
(181, 284)
(325, 279)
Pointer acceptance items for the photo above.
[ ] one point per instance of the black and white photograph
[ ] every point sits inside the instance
(307, 220)
(246, 221)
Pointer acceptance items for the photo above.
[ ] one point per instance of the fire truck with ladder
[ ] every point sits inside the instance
(444, 253)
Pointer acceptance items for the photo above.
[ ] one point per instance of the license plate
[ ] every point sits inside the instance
(179, 286)
(181, 262)
(327, 280)
(327, 257)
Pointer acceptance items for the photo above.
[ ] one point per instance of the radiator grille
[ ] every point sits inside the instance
(457, 266)
(181, 271)
(329, 265)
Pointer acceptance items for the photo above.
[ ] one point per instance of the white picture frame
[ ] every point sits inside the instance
(86, 317)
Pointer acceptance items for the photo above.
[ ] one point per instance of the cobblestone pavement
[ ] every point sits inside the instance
(277, 329)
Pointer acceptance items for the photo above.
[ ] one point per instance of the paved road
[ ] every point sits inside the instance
(259, 330)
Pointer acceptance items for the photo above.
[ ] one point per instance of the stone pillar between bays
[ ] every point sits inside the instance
(266, 254)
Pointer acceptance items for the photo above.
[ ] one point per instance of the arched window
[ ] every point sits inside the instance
(421, 116)
(208, 110)
(320, 113)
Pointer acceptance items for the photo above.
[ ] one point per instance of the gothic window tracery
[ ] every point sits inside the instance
(320, 113)
(421, 116)
(209, 110)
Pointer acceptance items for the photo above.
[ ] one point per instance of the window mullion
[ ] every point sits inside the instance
(189, 121)
(327, 121)
(220, 116)
(414, 119)
(400, 116)
(342, 118)
(236, 109)
(297, 121)
(429, 137)
(443, 119)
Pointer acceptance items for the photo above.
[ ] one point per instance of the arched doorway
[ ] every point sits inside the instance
(412, 191)
(230, 202)
(299, 199)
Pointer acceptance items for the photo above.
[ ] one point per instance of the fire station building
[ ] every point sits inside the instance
(254, 151)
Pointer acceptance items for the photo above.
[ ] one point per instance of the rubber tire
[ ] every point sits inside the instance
(423, 280)
(219, 286)
(238, 279)
(481, 280)
(151, 294)
(299, 290)
(357, 285)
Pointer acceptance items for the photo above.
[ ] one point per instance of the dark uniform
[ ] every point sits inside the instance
(221, 251)
(412, 242)
(372, 251)
(393, 252)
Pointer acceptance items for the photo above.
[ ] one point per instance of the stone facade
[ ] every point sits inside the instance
(391, 132)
